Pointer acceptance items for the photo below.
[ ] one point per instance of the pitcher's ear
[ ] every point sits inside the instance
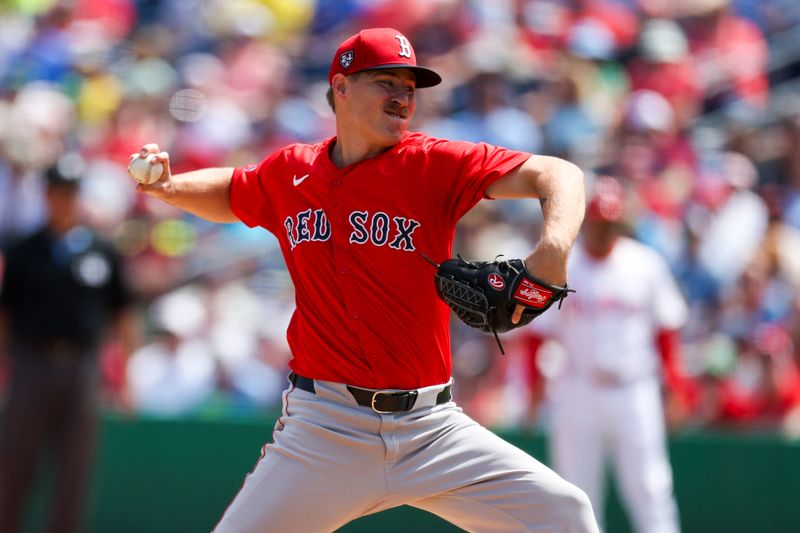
(339, 84)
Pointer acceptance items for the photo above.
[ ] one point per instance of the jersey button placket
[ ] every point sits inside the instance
(336, 182)
(343, 270)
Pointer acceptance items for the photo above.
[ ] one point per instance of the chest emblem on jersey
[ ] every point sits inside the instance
(346, 59)
(297, 181)
(496, 281)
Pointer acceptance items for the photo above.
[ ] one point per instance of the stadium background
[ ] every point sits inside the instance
(694, 105)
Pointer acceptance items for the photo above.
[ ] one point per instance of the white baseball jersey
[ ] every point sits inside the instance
(608, 327)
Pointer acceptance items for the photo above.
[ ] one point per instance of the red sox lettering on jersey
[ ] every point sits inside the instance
(308, 225)
(375, 229)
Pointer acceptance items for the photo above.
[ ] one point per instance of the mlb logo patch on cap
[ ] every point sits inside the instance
(346, 59)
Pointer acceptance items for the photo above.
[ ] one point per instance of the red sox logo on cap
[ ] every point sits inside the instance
(379, 48)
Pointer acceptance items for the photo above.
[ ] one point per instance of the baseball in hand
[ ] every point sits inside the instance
(143, 171)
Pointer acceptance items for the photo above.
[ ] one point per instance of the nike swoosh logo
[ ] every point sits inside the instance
(297, 181)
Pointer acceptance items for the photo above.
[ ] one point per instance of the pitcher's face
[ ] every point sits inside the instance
(380, 104)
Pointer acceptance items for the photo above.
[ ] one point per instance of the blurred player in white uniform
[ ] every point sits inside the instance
(616, 337)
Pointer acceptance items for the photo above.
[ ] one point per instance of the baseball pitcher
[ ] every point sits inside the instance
(368, 420)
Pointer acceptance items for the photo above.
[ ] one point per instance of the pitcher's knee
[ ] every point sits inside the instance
(574, 509)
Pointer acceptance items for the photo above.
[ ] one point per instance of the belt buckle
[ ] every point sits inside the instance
(375, 394)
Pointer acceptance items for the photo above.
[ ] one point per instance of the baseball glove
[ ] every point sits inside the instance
(484, 294)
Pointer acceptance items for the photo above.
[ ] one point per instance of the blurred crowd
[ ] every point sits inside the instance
(694, 105)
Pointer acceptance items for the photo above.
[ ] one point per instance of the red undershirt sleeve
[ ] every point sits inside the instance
(668, 342)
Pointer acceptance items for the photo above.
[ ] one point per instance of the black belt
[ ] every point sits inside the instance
(381, 401)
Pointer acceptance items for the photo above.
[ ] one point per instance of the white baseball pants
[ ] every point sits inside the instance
(623, 424)
(333, 461)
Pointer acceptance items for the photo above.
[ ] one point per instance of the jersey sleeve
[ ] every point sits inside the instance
(249, 198)
(476, 167)
(669, 306)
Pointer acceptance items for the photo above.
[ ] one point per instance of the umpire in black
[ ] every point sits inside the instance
(62, 293)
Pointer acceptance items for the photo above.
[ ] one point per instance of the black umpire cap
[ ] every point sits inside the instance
(67, 172)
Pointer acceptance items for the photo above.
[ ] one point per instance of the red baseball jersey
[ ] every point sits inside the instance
(367, 310)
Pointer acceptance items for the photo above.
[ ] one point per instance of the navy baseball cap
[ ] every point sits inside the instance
(380, 48)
